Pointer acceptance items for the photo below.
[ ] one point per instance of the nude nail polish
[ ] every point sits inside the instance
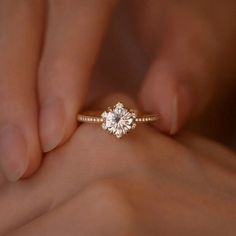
(52, 123)
(13, 153)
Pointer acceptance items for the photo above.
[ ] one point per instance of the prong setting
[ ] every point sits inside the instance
(119, 120)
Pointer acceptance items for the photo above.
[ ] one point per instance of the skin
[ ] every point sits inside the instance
(190, 46)
(52, 60)
(143, 184)
(50, 48)
(158, 185)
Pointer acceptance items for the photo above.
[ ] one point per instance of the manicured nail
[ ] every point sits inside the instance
(174, 116)
(52, 127)
(13, 153)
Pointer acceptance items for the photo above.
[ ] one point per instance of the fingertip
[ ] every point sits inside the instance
(14, 152)
(33, 164)
(34, 153)
(20, 149)
(51, 123)
(164, 93)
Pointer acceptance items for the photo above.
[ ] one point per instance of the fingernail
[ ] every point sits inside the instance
(13, 153)
(52, 118)
(174, 116)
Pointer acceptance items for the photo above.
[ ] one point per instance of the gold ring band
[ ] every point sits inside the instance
(118, 120)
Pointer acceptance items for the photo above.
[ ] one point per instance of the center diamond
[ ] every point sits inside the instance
(118, 120)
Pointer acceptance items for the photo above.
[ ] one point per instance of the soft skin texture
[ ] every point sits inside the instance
(143, 184)
(192, 56)
(49, 48)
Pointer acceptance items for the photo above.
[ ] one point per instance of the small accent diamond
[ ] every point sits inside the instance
(118, 120)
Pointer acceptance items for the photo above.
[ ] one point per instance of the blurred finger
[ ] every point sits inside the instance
(82, 215)
(189, 71)
(74, 34)
(20, 38)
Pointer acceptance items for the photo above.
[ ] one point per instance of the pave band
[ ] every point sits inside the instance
(118, 120)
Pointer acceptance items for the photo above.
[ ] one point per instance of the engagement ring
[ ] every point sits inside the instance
(118, 120)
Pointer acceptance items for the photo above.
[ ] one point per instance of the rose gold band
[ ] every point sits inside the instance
(118, 120)
(92, 117)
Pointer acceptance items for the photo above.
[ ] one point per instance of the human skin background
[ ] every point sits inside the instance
(143, 184)
(51, 46)
(207, 182)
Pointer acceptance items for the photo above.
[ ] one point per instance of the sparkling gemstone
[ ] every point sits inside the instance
(118, 120)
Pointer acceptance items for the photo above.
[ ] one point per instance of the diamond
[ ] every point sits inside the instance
(119, 120)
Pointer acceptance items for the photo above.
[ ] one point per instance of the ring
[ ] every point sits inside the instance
(118, 120)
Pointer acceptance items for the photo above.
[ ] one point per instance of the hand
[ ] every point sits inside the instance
(47, 48)
(143, 184)
(191, 48)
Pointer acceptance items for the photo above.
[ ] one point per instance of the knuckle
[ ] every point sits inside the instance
(106, 191)
(112, 202)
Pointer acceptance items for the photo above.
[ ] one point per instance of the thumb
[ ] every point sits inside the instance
(195, 64)
(179, 95)
(172, 97)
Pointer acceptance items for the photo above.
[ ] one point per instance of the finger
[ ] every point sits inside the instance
(74, 34)
(20, 34)
(26, 200)
(187, 73)
(21, 202)
(82, 215)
